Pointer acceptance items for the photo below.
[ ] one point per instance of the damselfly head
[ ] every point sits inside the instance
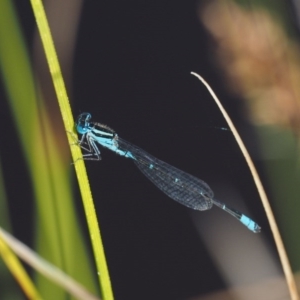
(82, 123)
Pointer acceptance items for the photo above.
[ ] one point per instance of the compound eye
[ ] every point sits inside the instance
(81, 129)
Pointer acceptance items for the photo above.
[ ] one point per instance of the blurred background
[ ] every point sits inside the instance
(129, 64)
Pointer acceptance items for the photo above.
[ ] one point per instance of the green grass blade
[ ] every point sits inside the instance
(76, 153)
(57, 226)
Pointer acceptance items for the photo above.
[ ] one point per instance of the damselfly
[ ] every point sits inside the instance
(178, 185)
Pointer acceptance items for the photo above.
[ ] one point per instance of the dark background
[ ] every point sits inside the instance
(131, 70)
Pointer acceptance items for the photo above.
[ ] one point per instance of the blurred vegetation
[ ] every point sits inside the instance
(57, 231)
(260, 59)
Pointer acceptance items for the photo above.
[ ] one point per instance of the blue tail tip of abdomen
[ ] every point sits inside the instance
(250, 224)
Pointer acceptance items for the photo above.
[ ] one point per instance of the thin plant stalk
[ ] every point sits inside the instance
(40, 264)
(277, 237)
